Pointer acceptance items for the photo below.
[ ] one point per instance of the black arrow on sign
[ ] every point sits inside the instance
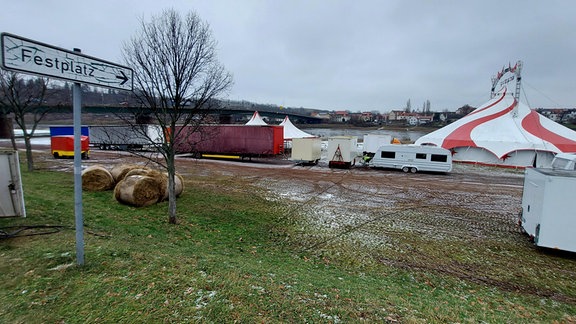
(122, 77)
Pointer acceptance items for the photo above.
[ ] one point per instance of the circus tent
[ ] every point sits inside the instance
(256, 120)
(291, 131)
(503, 132)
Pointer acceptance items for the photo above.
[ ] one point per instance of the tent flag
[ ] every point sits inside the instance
(256, 120)
(503, 132)
(291, 131)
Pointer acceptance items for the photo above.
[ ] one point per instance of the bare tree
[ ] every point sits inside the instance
(24, 98)
(176, 76)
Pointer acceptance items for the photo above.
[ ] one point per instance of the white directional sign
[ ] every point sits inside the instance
(24, 55)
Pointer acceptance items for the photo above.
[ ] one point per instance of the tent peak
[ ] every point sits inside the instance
(256, 120)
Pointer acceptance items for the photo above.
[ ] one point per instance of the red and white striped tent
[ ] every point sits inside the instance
(503, 132)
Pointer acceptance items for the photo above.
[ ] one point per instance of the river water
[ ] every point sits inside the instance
(403, 135)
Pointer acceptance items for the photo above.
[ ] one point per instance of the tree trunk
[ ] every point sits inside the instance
(13, 139)
(7, 130)
(172, 219)
(5, 124)
(29, 159)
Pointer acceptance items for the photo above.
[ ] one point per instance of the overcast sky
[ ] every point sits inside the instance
(339, 54)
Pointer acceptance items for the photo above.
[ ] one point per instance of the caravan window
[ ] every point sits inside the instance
(439, 158)
(388, 155)
(421, 156)
(558, 163)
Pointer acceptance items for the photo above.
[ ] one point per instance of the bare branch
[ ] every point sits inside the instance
(22, 97)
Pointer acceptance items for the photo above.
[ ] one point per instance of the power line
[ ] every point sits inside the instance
(541, 93)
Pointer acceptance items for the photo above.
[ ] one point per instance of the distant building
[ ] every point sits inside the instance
(321, 115)
(569, 116)
(409, 118)
(394, 115)
(425, 119)
(366, 116)
(341, 116)
(553, 114)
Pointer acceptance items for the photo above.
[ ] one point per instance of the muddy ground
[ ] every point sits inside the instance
(463, 224)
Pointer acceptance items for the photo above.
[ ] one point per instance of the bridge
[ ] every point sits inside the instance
(224, 113)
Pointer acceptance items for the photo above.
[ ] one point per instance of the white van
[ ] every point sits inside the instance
(412, 158)
(564, 161)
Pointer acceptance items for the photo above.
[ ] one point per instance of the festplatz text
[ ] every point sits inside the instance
(58, 64)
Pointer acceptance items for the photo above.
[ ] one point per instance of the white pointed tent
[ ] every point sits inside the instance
(256, 120)
(291, 131)
(503, 132)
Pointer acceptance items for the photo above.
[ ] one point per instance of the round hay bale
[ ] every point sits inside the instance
(138, 191)
(159, 176)
(119, 171)
(97, 178)
(178, 185)
(139, 171)
(163, 182)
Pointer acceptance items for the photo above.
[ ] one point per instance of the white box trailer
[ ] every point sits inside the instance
(372, 142)
(306, 150)
(548, 214)
(11, 194)
(412, 158)
(124, 137)
(342, 151)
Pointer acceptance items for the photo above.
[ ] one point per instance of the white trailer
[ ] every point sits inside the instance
(372, 142)
(564, 161)
(548, 215)
(11, 194)
(122, 137)
(412, 158)
(342, 151)
(306, 150)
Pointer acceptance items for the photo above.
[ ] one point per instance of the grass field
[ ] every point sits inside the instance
(236, 256)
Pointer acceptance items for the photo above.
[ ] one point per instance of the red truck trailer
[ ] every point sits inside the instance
(230, 141)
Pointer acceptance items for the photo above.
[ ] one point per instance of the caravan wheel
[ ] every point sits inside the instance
(405, 169)
(413, 170)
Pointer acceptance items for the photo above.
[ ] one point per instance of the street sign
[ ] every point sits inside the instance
(24, 55)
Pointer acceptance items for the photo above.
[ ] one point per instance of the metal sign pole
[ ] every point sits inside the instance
(79, 219)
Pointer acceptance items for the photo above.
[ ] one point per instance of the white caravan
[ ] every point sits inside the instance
(412, 158)
(564, 161)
